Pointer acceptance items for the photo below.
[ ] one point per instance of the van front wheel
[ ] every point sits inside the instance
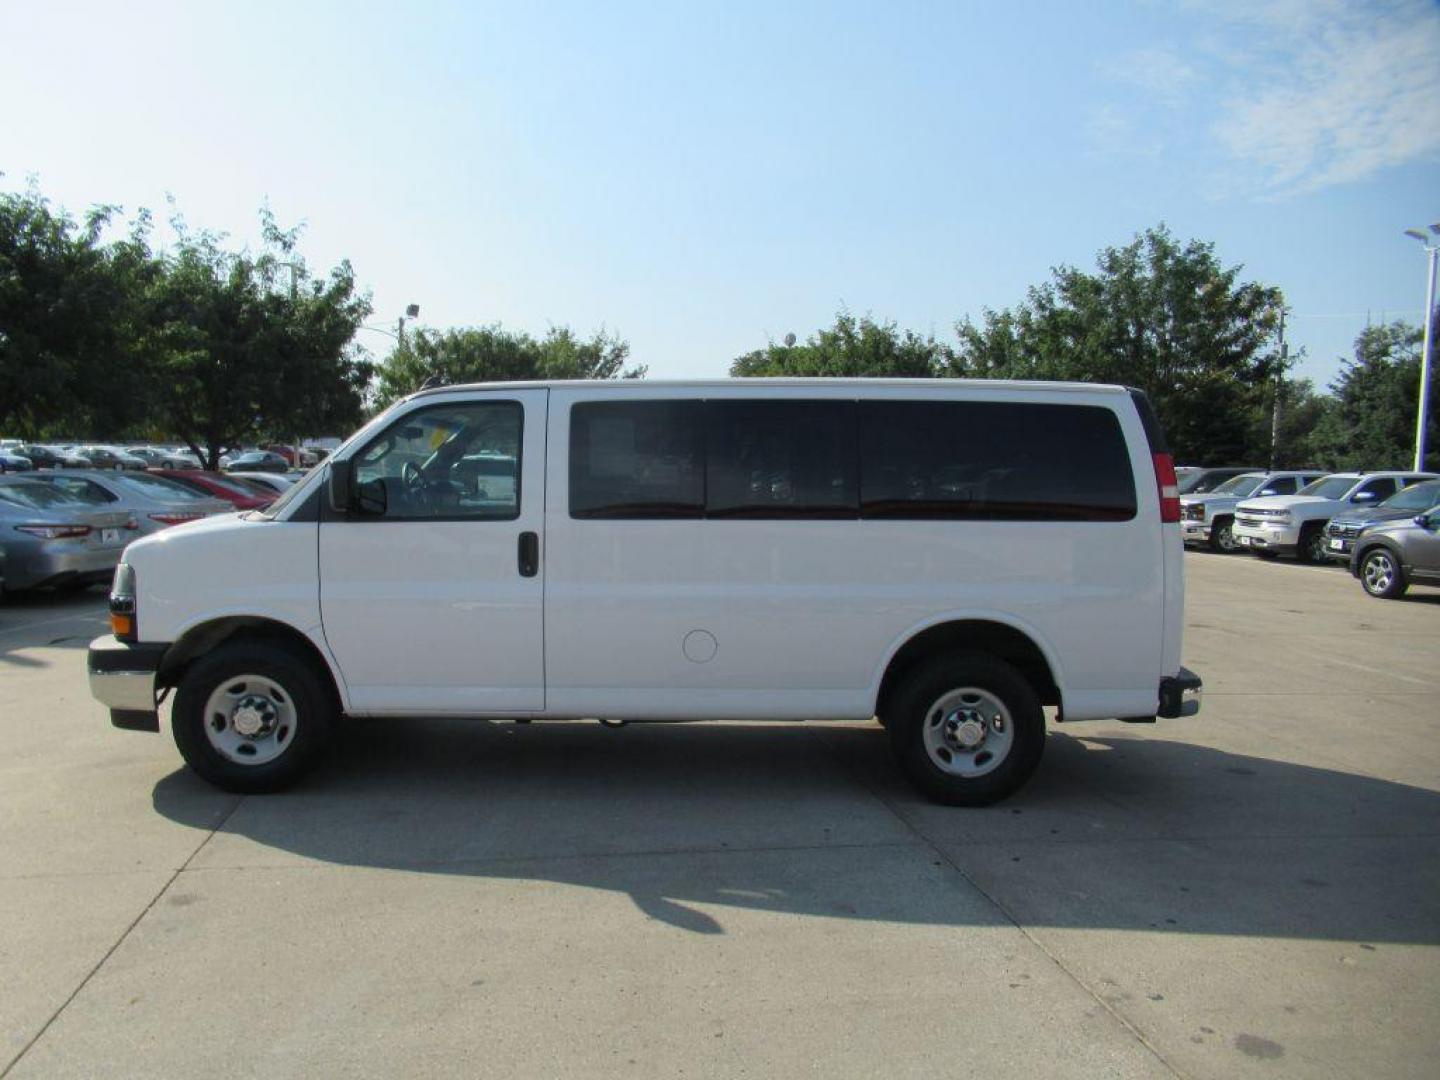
(966, 729)
(250, 717)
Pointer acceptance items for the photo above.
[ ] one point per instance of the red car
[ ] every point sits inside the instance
(219, 485)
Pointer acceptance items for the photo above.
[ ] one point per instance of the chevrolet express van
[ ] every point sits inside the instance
(947, 556)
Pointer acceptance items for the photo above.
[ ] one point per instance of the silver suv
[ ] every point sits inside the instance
(1389, 556)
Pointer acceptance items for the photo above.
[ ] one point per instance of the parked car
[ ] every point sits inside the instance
(950, 557)
(1345, 528)
(157, 503)
(258, 461)
(70, 456)
(54, 540)
(232, 489)
(12, 461)
(112, 457)
(1295, 524)
(1390, 555)
(1198, 481)
(41, 457)
(1209, 519)
(274, 483)
(156, 457)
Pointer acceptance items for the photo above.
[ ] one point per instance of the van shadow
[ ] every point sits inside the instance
(1113, 832)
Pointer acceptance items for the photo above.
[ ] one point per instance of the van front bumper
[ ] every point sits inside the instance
(122, 678)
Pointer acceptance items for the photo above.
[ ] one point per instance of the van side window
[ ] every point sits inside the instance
(449, 462)
(781, 459)
(995, 461)
(637, 459)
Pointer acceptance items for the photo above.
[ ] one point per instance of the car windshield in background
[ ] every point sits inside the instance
(37, 496)
(1329, 487)
(157, 487)
(1240, 485)
(1418, 497)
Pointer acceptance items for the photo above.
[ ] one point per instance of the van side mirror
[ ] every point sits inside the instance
(372, 498)
(341, 486)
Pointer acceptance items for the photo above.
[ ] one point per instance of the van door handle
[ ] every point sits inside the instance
(529, 554)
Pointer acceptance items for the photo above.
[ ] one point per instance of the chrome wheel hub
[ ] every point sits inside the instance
(968, 732)
(250, 719)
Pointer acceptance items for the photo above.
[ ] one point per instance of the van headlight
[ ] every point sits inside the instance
(122, 603)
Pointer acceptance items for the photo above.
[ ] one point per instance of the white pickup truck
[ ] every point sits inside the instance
(1295, 524)
(1210, 518)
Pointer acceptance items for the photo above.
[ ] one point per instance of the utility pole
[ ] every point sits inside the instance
(1279, 389)
(1432, 251)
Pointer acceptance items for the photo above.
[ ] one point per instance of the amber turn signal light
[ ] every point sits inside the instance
(122, 625)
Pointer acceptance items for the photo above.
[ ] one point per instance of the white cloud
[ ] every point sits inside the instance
(1343, 91)
(1160, 72)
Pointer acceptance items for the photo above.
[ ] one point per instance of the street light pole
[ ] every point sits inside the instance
(1432, 251)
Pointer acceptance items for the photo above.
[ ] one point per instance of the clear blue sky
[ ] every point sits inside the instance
(699, 177)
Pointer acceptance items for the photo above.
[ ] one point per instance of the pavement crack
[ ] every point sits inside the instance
(124, 935)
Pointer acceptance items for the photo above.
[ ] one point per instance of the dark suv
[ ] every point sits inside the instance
(1346, 527)
(1392, 555)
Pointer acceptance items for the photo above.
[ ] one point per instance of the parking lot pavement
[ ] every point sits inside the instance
(1251, 892)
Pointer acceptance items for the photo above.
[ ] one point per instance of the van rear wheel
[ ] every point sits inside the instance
(251, 717)
(966, 729)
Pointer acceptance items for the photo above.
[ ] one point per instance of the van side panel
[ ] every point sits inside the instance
(652, 619)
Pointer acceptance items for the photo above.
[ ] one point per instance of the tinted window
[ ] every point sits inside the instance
(641, 459)
(1378, 489)
(1281, 485)
(1419, 497)
(1328, 487)
(781, 459)
(416, 468)
(993, 461)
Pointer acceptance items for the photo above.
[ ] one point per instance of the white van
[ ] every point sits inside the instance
(948, 556)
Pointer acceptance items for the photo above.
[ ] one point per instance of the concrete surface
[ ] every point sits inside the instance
(1253, 892)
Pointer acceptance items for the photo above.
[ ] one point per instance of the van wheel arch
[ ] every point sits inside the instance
(201, 640)
(997, 639)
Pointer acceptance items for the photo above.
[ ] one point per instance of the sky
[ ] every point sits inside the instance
(700, 178)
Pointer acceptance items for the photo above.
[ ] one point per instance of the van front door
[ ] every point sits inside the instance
(431, 584)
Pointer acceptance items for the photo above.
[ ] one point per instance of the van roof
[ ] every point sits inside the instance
(700, 384)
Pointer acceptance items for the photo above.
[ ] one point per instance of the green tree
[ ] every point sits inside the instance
(1163, 316)
(494, 354)
(1371, 424)
(70, 317)
(243, 346)
(854, 347)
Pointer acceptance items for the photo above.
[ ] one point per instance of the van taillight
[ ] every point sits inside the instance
(1169, 487)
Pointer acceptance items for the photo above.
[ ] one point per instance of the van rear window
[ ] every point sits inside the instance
(778, 459)
(993, 461)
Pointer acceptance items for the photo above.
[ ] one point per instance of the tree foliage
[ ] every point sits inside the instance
(245, 345)
(1159, 315)
(494, 354)
(1370, 420)
(70, 309)
(854, 347)
(108, 337)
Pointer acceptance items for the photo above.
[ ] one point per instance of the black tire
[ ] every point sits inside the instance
(923, 689)
(1381, 574)
(309, 695)
(1222, 537)
(1311, 546)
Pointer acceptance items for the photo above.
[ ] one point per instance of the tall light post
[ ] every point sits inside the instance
(1432, 251)
(412, 311)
